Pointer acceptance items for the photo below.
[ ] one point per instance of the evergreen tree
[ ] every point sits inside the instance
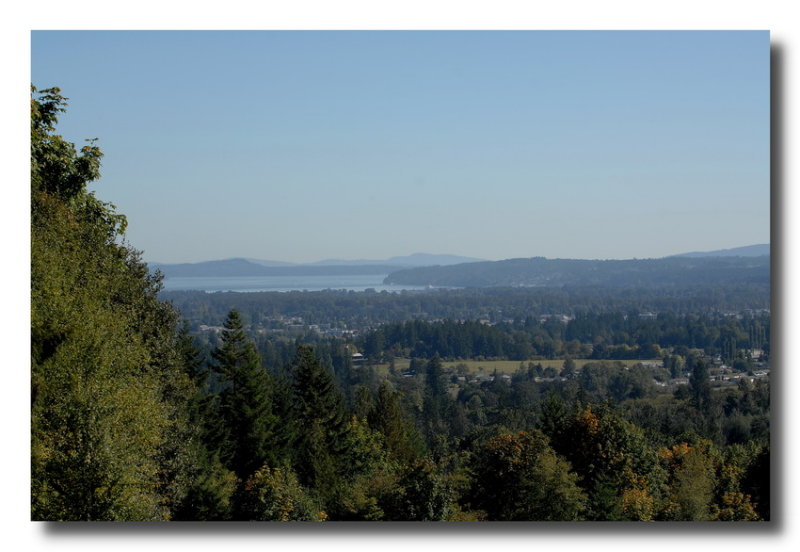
(363, 403)
(389, 418)
(552, 419)
(245, 408)
(288, 427)
(212, 486)
(700, 387)
(435, 405)
(320, 414)
(756, 482)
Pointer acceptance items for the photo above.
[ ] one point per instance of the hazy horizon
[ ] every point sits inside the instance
(303, 146)
(438, 254)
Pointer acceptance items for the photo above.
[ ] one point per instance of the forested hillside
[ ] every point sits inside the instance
(242, 411)
(538, 271)
(110, 432)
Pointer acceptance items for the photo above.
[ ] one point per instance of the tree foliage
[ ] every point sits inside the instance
(520, 477)
(244, 405)
(321, 415)
(274, 494)
(109, 393)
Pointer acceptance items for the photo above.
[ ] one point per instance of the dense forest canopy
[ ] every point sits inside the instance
(624, 404)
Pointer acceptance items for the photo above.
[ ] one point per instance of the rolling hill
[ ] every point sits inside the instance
(539, 271)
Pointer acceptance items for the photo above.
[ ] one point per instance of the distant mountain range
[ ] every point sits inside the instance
(415, 259)
(328, 267)
(750, 264)
(711, 268)
(746, 251)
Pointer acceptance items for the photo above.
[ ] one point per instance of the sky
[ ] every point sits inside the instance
(304, 145)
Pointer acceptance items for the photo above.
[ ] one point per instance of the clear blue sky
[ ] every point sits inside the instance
(299, 146)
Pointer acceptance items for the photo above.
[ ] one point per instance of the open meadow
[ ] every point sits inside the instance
(488, 367)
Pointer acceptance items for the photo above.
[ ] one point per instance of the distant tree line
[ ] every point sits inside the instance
(358, 310)
(588, 335)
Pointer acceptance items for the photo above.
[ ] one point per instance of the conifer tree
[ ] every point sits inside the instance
(210, 493)
(436, 403)
(388, 417)
(245, 408)
(287, 428)
(700, 386)
(321, 416)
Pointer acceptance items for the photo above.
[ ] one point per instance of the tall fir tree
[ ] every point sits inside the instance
(210, 493)
(389, 418)
(700, 387)
(320, 413)
(245, 406)
(436, 403)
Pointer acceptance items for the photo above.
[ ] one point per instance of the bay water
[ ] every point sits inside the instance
(350, 282)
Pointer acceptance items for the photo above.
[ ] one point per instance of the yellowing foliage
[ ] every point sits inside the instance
(637, 504)
(735, 507)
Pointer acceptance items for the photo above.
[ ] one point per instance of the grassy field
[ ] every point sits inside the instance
(502, 366)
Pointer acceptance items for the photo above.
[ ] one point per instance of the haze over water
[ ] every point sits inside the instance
(355, 282)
